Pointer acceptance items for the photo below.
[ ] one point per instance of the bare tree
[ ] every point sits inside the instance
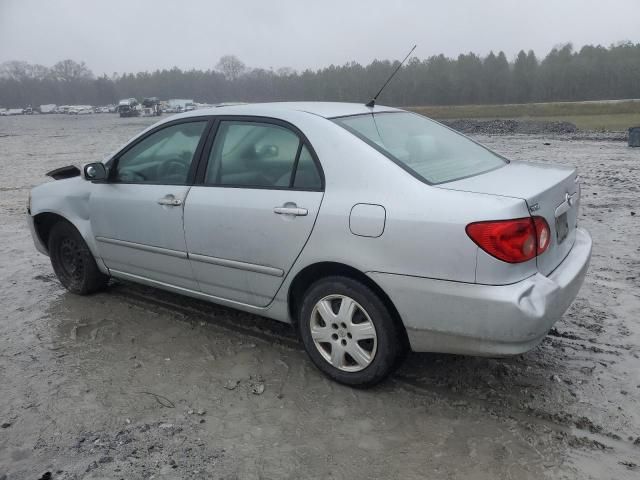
(15, 70)
(231, 67)
(68, 70)
(285, 71)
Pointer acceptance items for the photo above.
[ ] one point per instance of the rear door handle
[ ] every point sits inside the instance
(295, 211)
(170, 200)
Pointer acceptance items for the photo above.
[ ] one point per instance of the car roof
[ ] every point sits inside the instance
(322, 109)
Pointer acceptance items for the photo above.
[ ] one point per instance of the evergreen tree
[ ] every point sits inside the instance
(594, 72)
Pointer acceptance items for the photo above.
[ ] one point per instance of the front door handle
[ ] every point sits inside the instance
(170, 200)
(292, 210)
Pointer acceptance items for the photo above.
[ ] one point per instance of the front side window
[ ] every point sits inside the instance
(163, 157)
(431, 151)
(254, 154)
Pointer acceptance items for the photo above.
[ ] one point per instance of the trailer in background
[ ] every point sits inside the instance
(129, 107)
(177, 105)
(48, 108)
(151, 107)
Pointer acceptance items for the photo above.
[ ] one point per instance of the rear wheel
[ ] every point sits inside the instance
(73, 262)
(348, 332)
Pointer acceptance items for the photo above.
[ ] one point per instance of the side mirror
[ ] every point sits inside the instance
(95, 172)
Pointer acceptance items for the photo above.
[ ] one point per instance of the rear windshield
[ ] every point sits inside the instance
(425, 148)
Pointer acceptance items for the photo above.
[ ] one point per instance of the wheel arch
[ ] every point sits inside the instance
(316, 271)
(44, 221)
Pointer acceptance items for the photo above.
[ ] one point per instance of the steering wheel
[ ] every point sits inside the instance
(173, 168)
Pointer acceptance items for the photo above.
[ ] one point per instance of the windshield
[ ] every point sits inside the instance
(425, 148)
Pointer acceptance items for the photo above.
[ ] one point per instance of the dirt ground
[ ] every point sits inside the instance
(138, 383)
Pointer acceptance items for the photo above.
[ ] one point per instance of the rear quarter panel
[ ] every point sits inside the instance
(424, 233)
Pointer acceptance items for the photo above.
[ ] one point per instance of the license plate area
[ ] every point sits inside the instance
(562, 227)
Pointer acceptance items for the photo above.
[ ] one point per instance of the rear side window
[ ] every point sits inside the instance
(255, 154)
(429, 150)
(164, 157)
(307, 175)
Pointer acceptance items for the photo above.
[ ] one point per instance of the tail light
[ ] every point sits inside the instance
(543, 234)
(512, 241)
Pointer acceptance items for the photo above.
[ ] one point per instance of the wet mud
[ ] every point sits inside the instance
(134, 382)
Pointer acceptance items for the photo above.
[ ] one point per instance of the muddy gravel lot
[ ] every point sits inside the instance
(137, 383)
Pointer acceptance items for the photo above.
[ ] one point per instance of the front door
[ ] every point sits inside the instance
(247, 224)
(137, 216)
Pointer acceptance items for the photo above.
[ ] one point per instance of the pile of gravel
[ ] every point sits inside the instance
(499, 127)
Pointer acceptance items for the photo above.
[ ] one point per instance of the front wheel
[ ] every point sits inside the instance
(348, 332)
(73, 262)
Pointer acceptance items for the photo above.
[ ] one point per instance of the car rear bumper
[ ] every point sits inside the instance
(473, 319)
(34, 234)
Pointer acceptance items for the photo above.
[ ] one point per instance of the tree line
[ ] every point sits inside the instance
(592, 73)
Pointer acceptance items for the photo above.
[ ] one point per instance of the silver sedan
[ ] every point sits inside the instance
(372, 230)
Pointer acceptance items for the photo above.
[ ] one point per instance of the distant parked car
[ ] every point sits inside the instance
(372, 230)
(80, 110)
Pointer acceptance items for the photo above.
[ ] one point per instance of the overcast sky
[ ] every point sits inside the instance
(136, 35)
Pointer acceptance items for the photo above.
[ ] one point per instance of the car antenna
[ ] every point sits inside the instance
(372, 102)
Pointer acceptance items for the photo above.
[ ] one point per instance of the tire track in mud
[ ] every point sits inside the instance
(578, 431)
(144, 297)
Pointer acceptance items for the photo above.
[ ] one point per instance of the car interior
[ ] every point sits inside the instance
(244, 153)
(164, 157)
(262, 155)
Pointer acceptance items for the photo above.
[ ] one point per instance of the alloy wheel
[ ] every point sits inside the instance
(343, 333)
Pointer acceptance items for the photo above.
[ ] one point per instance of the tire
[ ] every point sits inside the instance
(348, 332)
(73, 262)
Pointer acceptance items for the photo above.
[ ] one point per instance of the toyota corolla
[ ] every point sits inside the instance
(371, 229)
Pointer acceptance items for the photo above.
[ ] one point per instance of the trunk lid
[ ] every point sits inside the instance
(550, 191)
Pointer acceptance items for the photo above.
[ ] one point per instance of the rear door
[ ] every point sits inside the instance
(246, 223)
(137, 216)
